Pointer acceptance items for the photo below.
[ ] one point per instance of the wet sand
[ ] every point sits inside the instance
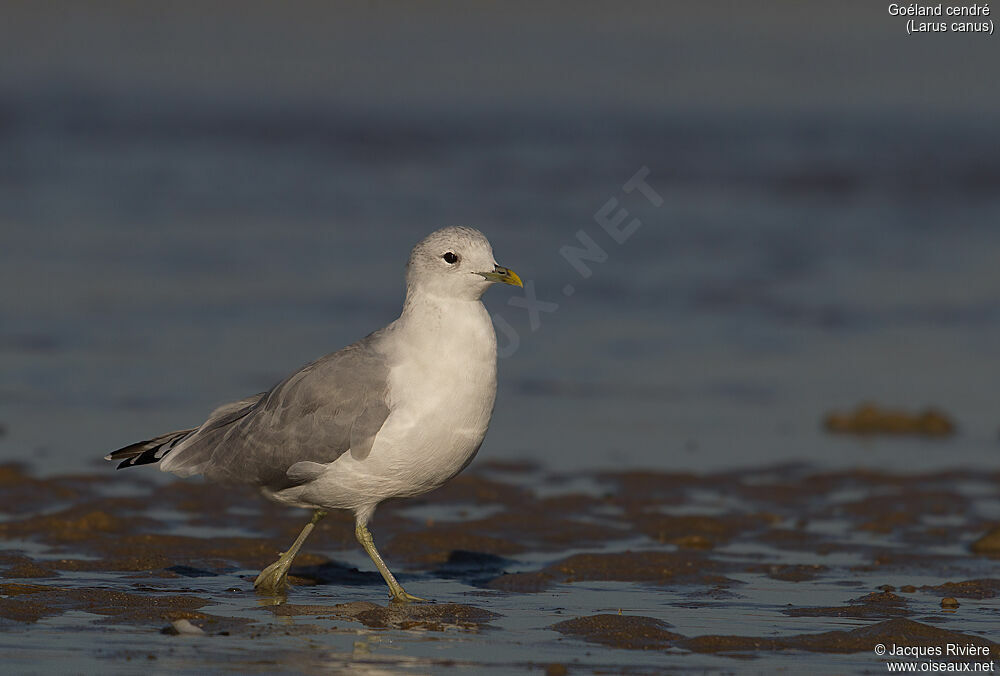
(530, 570)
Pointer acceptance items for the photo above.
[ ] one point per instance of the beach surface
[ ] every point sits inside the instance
(782, 567)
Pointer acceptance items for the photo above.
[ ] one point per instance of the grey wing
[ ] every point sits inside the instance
(335, 404)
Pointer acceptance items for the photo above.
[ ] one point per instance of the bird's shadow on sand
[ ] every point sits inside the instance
(333, 572)
(471, 568)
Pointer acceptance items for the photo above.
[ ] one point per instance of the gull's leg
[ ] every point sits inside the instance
(274, 578)
(395, 589)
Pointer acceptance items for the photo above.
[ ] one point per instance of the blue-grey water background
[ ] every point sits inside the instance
(195, 201)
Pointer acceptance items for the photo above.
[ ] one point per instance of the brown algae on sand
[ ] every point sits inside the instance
(988, 544)
(876, 605)
(898, 631)
(621, 631)
(117, 605)
(647, 633)
(427, 617)
(870, 419)
(988, 588)
(141, 564)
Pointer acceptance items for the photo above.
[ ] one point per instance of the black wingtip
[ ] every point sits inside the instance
(131, 450)
(147, 452)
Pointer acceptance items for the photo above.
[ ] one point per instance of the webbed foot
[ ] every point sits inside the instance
(274, 578)
(402, 596)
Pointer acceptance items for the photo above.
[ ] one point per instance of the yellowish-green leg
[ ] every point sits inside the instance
(274, 578)
(395, 589)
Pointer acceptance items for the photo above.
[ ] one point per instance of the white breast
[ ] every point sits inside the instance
(442, 390)
(442, 386)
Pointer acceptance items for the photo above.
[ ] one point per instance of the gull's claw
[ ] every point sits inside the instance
(274, 578)
(402, 596)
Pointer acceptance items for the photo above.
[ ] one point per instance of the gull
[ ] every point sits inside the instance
(396, 414)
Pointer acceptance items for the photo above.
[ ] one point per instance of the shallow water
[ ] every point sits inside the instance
(660, 567)
(163, 261)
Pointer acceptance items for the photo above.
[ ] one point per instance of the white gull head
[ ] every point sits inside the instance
(455, 263)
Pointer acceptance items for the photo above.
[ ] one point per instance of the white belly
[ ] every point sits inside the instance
(434, 436)
(442, 390)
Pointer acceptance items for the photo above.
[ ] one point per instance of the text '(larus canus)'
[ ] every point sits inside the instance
(396, 414)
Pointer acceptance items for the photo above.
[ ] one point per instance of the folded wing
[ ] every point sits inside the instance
(333, 405)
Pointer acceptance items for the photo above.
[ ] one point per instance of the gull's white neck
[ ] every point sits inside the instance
(452, 330)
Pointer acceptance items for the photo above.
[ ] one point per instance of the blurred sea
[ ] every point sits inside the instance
(159, 262)
(161, 253)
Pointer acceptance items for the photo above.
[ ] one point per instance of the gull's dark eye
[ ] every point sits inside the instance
(450, 258)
